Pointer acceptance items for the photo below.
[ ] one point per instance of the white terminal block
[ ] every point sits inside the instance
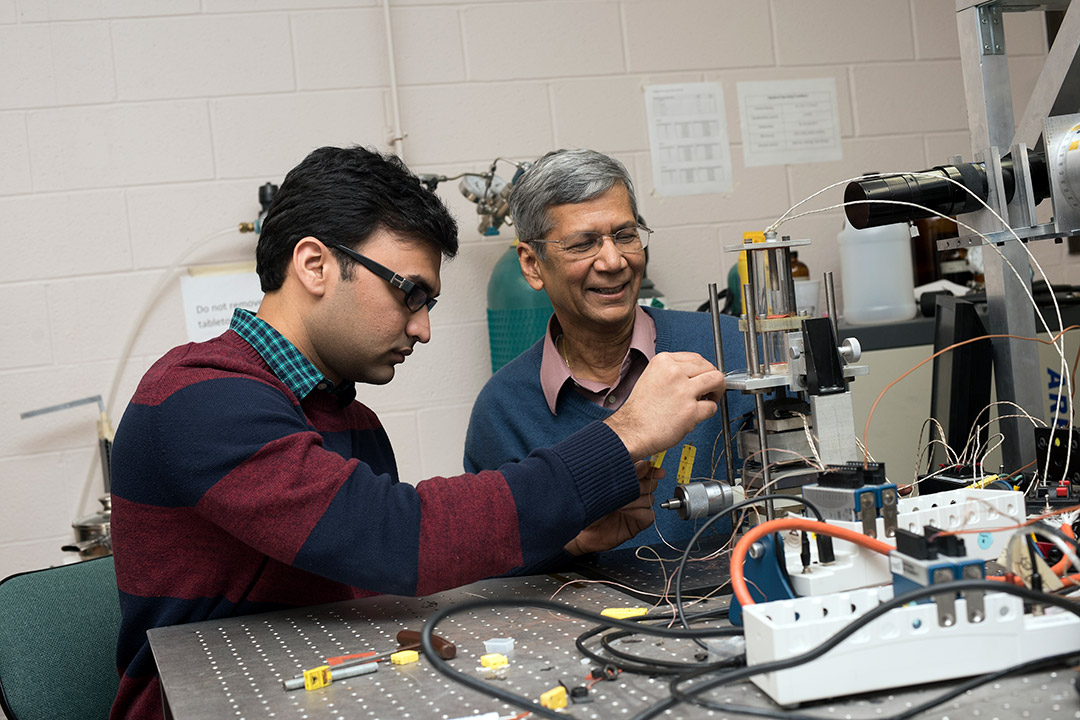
(857, 567)
(905, 647)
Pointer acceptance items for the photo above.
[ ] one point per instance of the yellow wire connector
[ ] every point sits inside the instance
(624, 613)
(317, 677)
(686, 464)
(493, 660)
(554, 699)
(658, 459)
(404, 657)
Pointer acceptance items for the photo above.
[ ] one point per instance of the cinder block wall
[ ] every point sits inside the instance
(130, 130)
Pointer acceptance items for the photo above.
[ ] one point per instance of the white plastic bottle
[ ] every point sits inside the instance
(876, 274)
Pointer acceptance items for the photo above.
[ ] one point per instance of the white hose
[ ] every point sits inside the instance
(129, 343)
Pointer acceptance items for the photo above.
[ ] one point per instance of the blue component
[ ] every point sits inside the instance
(879, 501)
(765, 580)
(491, 231)
(915, 573)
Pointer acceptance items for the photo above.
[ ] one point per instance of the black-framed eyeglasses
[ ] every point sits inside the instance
(416, 297)
(585, 244)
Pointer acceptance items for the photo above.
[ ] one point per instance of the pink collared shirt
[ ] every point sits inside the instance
(554, 373)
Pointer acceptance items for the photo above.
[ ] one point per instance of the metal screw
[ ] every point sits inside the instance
(757, 550)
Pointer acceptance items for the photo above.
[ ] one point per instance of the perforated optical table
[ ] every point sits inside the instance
(234, 668)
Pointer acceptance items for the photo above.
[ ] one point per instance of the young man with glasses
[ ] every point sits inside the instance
(246, 477)
(583, 242)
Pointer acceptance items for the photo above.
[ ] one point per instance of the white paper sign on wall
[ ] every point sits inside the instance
(688, 138)
(211, 294)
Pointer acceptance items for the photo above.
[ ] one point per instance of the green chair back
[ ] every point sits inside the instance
(58, 631)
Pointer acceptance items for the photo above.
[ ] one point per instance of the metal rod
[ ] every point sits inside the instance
(830, 304)
(751, 311)
(789, 283)
(63, 406)
(751, 331)
(725, 419)
(759, 403)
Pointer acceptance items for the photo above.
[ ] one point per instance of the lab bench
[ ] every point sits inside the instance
(234, 668)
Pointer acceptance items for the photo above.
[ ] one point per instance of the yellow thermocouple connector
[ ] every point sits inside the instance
(317, 677)
(494, 660)
(404, 657)
(624, 613)
(554, 699)
(686, 464)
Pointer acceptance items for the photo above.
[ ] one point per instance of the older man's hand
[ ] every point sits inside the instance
(619, 526)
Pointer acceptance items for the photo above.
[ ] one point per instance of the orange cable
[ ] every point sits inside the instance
(1063, 564)
(738, 555)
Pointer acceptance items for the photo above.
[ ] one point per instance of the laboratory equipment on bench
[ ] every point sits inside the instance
(798, 374)
(93, 536)
(1018, 160)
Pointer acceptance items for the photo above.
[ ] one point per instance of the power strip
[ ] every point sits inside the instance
(856, 567)
(905, 647)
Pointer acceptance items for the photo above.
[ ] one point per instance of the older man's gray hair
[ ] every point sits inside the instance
(559, 178)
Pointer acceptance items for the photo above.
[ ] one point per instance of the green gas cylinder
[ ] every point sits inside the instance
(517, 314)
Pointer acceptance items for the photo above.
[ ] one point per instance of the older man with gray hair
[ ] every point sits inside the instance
(582, 241)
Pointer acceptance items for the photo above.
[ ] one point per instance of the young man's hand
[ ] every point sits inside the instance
(676, 392)
(619, 526)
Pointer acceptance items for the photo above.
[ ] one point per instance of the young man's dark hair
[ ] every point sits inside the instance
(343, 195)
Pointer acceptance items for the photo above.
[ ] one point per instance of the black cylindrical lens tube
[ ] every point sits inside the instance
(932, 189)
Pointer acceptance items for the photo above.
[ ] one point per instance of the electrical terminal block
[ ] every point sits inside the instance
(933, 558)
(904, 648)
(855, 492)
(977, 512)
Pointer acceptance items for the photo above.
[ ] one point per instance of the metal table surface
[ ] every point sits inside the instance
(234, 668)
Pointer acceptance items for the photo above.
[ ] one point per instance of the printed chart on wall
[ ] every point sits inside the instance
(787, 122)
(688, 139)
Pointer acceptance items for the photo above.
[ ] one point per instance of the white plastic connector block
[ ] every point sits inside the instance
(855, 567)
(905, 647)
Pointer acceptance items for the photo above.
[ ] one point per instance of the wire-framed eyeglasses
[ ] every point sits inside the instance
(416, 297)
(587, 243)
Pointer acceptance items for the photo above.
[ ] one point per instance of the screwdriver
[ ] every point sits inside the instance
(336, 669)
(407, 640)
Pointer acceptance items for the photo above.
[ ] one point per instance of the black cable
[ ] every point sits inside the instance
(648, 666)
(727, 511)
(1044, 528)
(1065, 658)
(678, 695)
(443, 667)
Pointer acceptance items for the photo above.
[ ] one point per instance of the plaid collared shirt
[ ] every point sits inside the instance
(289, 364)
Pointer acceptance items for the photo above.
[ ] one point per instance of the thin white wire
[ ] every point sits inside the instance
(125, 354)
(1057, 343)
(965, 188)
(969, 191)
(973, 435)
(950, 454)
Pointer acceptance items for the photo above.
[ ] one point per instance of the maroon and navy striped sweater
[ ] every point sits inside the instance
(232, 496)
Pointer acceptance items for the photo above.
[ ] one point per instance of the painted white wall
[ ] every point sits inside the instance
(129, 130)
